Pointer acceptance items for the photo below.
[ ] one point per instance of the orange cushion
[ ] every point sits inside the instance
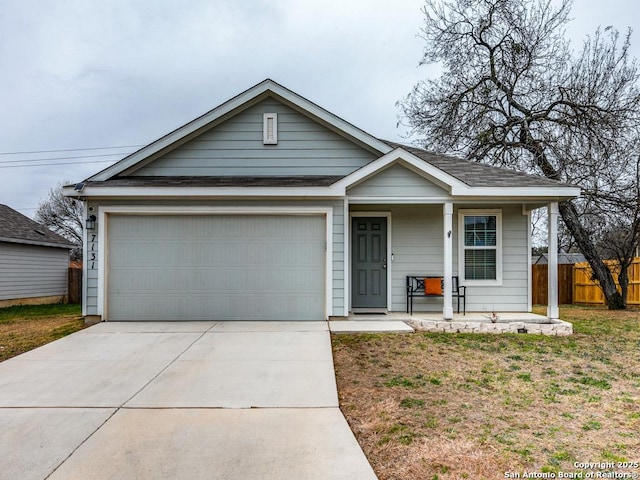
(433, 286)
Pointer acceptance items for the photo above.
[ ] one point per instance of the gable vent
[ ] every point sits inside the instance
(270, 129)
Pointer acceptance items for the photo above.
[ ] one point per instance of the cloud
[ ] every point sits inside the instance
(91, 74)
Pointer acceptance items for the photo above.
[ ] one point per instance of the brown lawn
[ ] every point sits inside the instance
(24, 328)
(435, 406)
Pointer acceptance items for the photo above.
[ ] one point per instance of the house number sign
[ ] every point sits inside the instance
(92, 251)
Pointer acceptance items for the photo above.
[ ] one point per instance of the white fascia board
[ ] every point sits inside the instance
(404, 158)
(69, 191)
(356, 200)
(174, 192)
(516, 193)
(244, 98)
(214, 210)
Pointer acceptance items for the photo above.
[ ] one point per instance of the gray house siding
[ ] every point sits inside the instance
(338, 240)
(417, 248)
(236, 148)
(29, 271)
(512, 295)
(416, 232)
(397, 181)
(338, 257)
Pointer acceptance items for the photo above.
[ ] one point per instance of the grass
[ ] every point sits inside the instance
(449, 406)
(24, 328)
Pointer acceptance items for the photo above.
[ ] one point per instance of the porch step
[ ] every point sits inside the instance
(369, 326)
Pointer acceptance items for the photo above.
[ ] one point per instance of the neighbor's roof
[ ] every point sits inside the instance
(563, 258)
(478, 174)
(16, 228)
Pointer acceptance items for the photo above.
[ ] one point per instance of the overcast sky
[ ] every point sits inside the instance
(79, 74)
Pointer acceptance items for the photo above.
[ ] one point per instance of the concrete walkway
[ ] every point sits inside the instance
(193, 400)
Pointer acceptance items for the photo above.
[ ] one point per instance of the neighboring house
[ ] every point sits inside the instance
(269, 207)
(34, 261)
(564, 258)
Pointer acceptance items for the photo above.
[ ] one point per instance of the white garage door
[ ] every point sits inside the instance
(216, 267)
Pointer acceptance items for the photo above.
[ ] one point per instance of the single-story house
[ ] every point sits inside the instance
(269, 207)
(34, 261)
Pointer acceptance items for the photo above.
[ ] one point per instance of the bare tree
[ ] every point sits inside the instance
(64, 216)
(619, 237)
(513, 93)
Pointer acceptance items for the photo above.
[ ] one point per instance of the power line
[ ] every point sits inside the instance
(69, 150)
(56, 164)
(60, 158)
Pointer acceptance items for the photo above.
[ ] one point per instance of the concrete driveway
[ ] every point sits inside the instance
(194, 400)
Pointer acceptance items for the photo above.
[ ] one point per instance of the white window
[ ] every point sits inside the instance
(480, 247)
(270, 129)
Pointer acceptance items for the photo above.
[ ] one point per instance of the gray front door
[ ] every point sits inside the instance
(369, 262)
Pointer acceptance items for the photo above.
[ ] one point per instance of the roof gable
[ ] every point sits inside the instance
(397, 180)
(480, 181)
(236, 148)
(17, 228)
(267, 88)
(402, 157)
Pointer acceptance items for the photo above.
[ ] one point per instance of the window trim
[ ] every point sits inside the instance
(461, 246)
(273, 139)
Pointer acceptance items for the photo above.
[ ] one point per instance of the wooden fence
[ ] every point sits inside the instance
(587, 290)
(74, 294)
(540, 284)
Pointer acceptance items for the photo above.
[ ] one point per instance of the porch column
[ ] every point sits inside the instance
(447, 210)
(552, 232)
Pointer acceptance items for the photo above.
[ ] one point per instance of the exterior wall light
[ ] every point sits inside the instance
(90, 223)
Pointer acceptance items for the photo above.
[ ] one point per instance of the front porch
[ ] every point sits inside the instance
(485, 249)
(472, 322)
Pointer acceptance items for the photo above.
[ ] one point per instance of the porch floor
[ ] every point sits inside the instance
(472, 322)
(483, 317)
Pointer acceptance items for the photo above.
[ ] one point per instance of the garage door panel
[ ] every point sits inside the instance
(223, 280)
(201, 306)
(216, 267)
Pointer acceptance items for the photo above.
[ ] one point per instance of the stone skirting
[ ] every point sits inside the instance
(554, 327)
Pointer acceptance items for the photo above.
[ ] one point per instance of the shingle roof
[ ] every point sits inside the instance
(477, 174)
(471, 173)
(15, 227)
(295, 181)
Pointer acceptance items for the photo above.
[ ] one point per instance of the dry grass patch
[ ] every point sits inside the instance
(24, 328)
(449, 406)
